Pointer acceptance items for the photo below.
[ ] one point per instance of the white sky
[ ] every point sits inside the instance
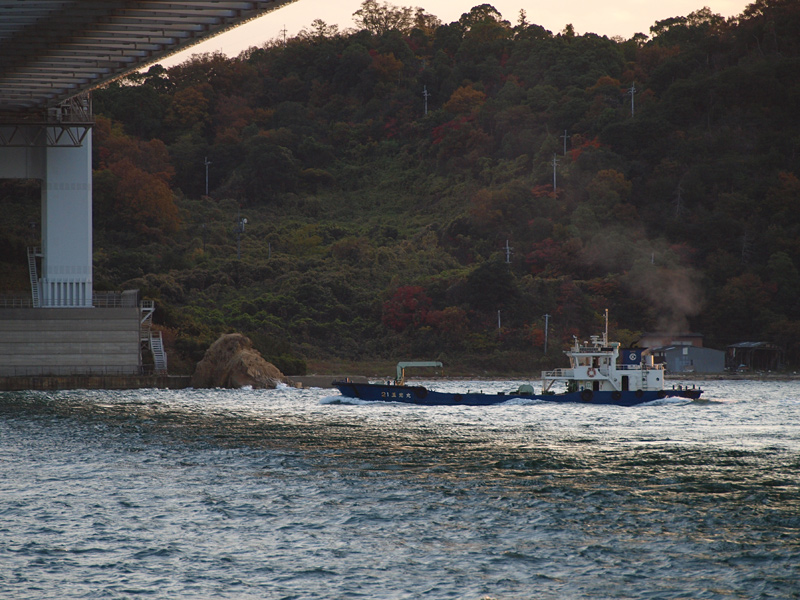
(604, 17)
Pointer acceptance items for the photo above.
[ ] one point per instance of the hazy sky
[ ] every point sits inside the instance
(604, 17)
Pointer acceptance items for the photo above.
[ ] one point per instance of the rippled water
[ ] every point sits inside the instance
(297, 494)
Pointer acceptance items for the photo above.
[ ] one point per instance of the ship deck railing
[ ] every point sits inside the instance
(601, 371)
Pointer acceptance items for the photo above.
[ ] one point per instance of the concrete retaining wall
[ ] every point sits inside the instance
(69, 341)
(88, 382)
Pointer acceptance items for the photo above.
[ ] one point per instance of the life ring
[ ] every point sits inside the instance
(639, 393)
(586, 395)
(591, 372)
(616, 395)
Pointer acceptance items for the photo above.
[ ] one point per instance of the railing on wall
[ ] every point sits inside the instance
(99, 300)
(70, 371)
(115, 300)
(16, 301)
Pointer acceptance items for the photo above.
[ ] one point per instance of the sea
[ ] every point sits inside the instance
(302, 494)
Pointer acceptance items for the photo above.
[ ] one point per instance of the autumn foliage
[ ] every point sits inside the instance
(137, 194)
(528, 188)
(408, 307)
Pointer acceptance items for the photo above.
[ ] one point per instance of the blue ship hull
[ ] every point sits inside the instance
(377, 392)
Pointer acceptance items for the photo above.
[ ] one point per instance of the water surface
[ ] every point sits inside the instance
(300, 494)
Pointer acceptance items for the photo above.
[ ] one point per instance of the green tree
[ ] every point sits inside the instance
(268, 168)
(491, 286)
(379, 19)
(784, 276)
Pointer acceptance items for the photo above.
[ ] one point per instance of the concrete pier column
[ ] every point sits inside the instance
(66, 279)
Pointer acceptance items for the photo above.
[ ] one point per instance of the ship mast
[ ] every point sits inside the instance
(605, 333)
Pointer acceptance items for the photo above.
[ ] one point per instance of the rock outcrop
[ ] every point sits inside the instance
(232, 362)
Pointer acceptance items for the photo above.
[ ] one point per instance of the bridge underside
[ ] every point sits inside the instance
(54, 50)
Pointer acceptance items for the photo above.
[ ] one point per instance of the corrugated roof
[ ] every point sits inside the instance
(767, 345)
(52, 50)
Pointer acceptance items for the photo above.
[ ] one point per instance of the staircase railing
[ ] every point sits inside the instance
(159, 356)
(153, 339)
(147, 308)
(34, 276)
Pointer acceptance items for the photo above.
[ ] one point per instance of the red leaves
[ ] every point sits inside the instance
(408, 306)
(440, 132)
(141, 197)
(592, 144)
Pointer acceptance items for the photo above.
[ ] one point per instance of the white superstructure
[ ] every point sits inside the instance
(596, 366)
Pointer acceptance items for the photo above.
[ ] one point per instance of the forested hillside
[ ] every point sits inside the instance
(382, 172)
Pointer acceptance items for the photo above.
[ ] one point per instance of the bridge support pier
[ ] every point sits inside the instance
(67, 227)
(66, 174)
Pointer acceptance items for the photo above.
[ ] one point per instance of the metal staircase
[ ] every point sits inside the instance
(147, 308)
(33, 253)
(159, 356)
(152, 339)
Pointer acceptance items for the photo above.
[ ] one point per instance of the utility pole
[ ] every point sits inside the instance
(425, 95)
(508, 250)
(206, 162)
(565, 136)
(283, 31)
(555, 164)
(546, 330)
(239, 230)
(632, 91)
(498, 323)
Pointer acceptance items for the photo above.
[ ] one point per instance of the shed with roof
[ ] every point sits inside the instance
(754, 356)
(689, 359)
